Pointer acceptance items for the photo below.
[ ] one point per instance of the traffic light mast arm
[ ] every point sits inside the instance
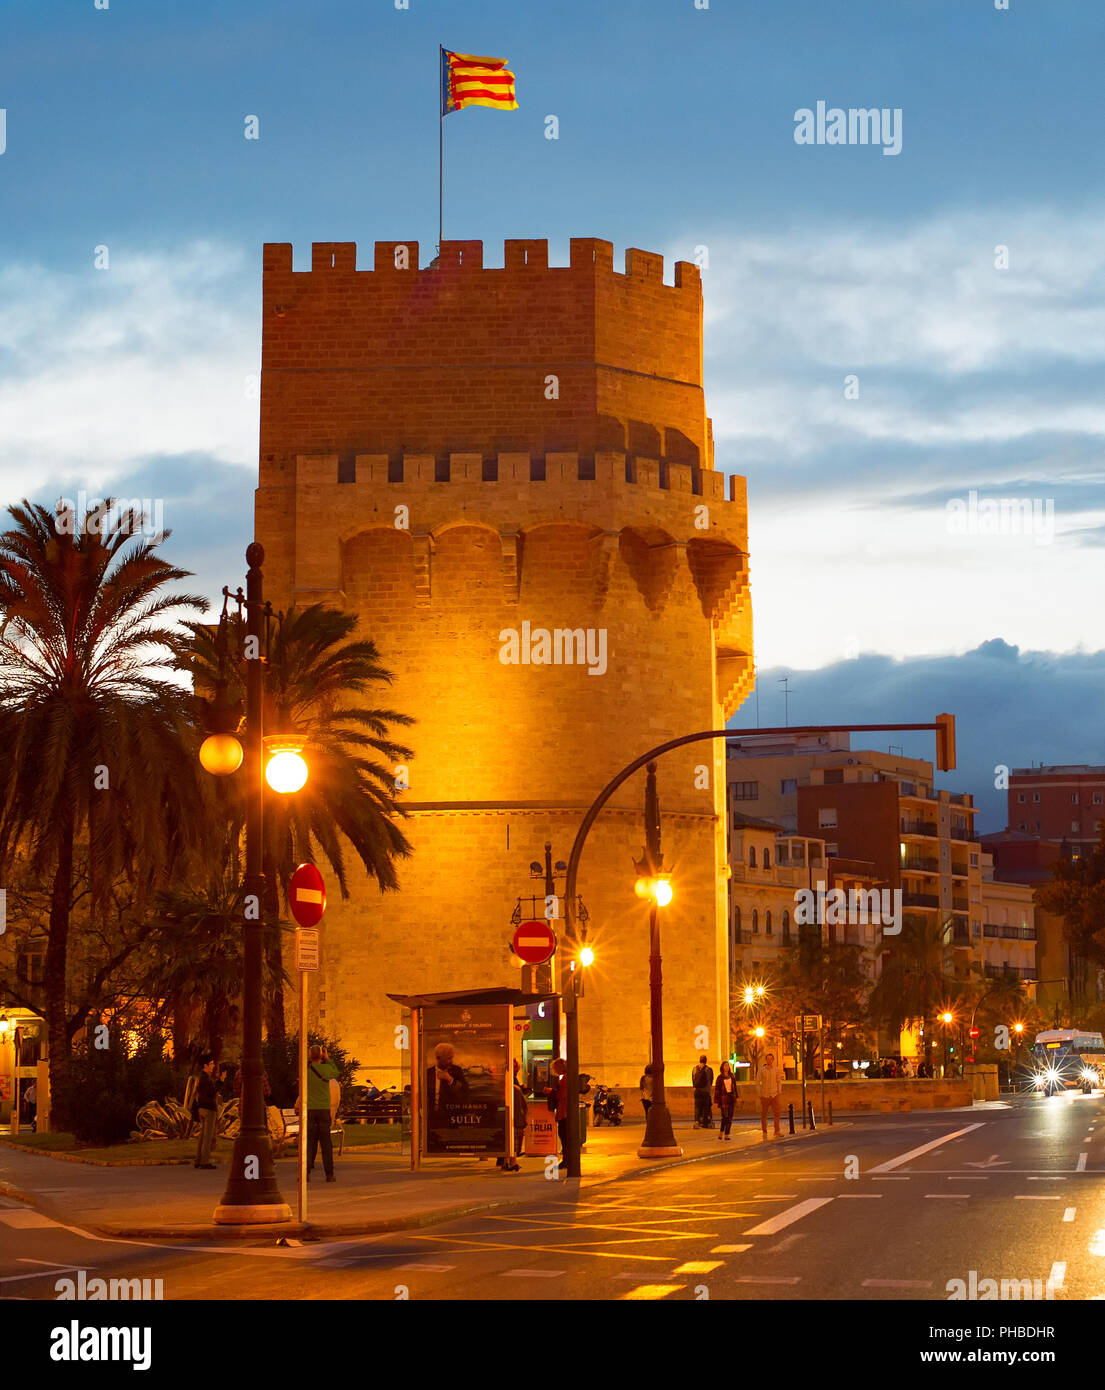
(943, 723)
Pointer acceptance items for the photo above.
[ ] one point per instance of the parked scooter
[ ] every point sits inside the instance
(607, 1105)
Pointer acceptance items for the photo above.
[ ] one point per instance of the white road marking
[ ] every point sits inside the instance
(654, 1290)
(1081, 1167)
(767, 1279)
(729, 1249)
(25, 1218)
(892, 1163)
(845, 1195)
(1032, 1197)
(430, 1269)
(897, 1284)
(38, 1273)
(698, 1267)
(891, 1179)
(949, 1196)
(1047, 1179)
(788, 1217)
(1068, 1215)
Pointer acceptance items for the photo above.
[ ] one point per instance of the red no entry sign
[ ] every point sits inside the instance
(534, 942)
(307, 895)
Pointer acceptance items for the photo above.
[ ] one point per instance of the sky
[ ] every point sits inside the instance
(888, 335)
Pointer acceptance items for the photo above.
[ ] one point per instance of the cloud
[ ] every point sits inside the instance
(104, 369)
(1012, 708)
(969, 377)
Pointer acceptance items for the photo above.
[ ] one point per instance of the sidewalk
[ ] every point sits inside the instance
(374, 1192)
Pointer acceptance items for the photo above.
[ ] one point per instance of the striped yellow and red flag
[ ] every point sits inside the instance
(470, 81)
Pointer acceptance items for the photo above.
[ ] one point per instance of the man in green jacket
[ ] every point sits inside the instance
(320, 1072)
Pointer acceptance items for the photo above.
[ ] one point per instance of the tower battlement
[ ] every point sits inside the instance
(522, 357)
(586, 255)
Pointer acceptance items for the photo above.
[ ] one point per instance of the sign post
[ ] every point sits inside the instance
(307, 898)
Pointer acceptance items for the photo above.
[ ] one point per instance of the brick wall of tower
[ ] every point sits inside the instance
(596, 511)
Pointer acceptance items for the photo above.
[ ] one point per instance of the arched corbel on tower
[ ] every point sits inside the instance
(652, 558)
(603, 549)
(720, 575)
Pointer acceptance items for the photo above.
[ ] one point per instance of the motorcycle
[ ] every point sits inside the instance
(607, 1105)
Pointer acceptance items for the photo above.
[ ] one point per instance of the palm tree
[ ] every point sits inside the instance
(316, 676)
(913, 983)
(97, 745)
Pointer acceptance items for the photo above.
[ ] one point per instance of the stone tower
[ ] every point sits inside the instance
(459, 454)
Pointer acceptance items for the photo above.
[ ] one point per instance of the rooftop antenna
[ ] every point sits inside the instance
(785, 683)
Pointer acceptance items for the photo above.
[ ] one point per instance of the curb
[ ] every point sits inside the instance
(231, 1235)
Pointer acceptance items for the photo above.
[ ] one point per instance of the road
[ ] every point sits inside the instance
(1015, 1191)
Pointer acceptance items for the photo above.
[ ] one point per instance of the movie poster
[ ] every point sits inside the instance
(465, 1061)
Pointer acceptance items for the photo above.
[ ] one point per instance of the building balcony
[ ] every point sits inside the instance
(961, 936)
(962, 832)
(960, 905)
(919, 827)
(921, 863)
(1000, 929)
(1010, 972)
(920, 900)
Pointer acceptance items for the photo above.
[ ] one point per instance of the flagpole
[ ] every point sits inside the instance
(440, 147)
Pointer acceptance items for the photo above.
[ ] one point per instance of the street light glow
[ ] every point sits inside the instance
(586, 956)
(286, 771)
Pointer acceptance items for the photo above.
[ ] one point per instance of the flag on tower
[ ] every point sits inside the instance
(470, 81)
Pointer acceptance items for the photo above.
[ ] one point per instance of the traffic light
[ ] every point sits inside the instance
(945, 742)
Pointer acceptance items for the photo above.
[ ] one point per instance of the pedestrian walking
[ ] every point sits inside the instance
(320, 1072)
(725, 1098)
(646, 1090)
(770, 1090)
(30, 1100)
(205, 1110)
(702, 1084)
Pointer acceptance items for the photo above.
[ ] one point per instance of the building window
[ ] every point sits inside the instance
(974, 861)
(755, 921)
(767, 858)
(976, 928)
(786, 925)
(832, 851)
(1037, 825)
(745, 791)
(767, 922)
(826, 818)
(1020, 798)
(1097, 798)
(752, 857)
(788, 786)
(1074, 826)
(1074, 798)
(1022, 826)
(1036, 797)
(31, 962)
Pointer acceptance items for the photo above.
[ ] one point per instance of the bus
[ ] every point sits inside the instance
(1068, 1059)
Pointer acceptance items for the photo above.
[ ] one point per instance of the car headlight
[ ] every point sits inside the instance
(1088, 1075)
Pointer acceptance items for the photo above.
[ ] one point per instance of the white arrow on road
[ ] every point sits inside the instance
(992, 1162)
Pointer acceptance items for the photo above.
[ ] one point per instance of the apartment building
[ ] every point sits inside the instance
(1064, 805)
(1008, 926)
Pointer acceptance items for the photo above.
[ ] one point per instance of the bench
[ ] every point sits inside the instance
(291, 1127)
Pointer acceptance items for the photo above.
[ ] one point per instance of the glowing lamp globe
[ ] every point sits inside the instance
(286, 771)
(221, 754)
(586, 956)
(662, 892)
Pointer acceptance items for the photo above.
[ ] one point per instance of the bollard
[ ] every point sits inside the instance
(812, 1125)
(790, 1117)
(830, 1112)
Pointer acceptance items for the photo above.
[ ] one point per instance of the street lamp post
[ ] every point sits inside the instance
(252, 1196)
(659, 1140)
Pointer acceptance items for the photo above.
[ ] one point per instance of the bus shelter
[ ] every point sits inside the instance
(462, 1055)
